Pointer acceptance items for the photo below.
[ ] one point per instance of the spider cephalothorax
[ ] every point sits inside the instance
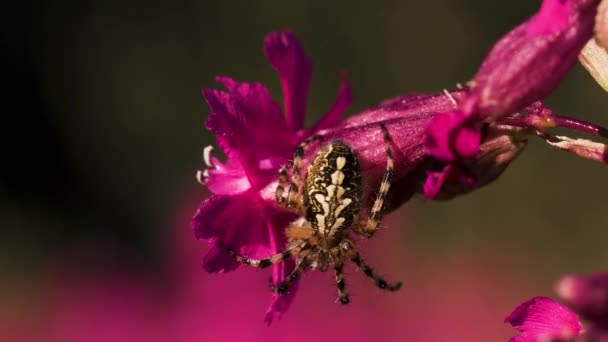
(328, 201)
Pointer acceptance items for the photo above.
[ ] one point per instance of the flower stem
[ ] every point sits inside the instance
(541, 122)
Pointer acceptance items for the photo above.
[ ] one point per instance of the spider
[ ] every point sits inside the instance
(328, 204)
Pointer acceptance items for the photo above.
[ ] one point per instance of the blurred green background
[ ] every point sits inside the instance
(104, 133)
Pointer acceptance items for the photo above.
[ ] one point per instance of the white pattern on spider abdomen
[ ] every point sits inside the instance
(333, 189)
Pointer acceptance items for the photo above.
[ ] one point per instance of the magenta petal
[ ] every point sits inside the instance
(227, 179)
(467, 141)
(280, 304)
(288, 58)
(529, 62)
(217, 260)
(333, 116)
(552, 17)
(450, 138)
(543, 317)
(432, 185)
(450, 175)
(227, 82)
(237, 222)
(248, 123)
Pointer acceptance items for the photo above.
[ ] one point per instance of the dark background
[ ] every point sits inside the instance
(103, 133)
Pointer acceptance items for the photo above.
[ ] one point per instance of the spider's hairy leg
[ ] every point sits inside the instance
(263, 263)
(283, 179)
(296, 180)
(351, 251)
(339, 270)
(300, 268)
(377, 210)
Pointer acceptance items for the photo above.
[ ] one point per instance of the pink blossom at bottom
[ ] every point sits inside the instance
(543, 319)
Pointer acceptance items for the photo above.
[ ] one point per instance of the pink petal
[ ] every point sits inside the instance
(280, 304)
(456, 178)
(288, 58)
(529, 62)
(433, 184)
(542, 317)
(217, 260)
(248, 124)
(449, 137)
(238, 222)
(333, 116)
(227, 179)
(552, 17)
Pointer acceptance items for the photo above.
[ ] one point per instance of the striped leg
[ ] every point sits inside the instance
(354, 255)
(339, 269)
(283, 179)
(377, 210)
(296, 180)
(300, 268)
(263, 263)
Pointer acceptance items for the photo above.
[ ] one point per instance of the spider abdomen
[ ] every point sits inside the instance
(333, 190)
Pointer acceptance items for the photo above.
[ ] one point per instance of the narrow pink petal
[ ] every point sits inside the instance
(333, 116)
(227, 82)
(552, 17)
(433, 184)
(467, 142)
(280, 304)
(448, 182)
(542, 317)
(449, 137)
(288, 58)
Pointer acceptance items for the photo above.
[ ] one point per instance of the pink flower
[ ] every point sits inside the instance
(257, 138)
(465, 152)
(588, 296)
(522, 68)
(243, 215)
(543, 319)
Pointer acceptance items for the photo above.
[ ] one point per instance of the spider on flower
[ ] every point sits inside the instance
(328, 203)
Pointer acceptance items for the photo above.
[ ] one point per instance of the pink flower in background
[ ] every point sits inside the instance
(524, 66)
(257, 138)
(588, 296)
(543, 319)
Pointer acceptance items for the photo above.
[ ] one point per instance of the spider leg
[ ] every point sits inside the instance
(339, 270)
(377, 210)
(296, 181)
(283, 179)
(355, 257)
(300, 268)
(263, 263)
